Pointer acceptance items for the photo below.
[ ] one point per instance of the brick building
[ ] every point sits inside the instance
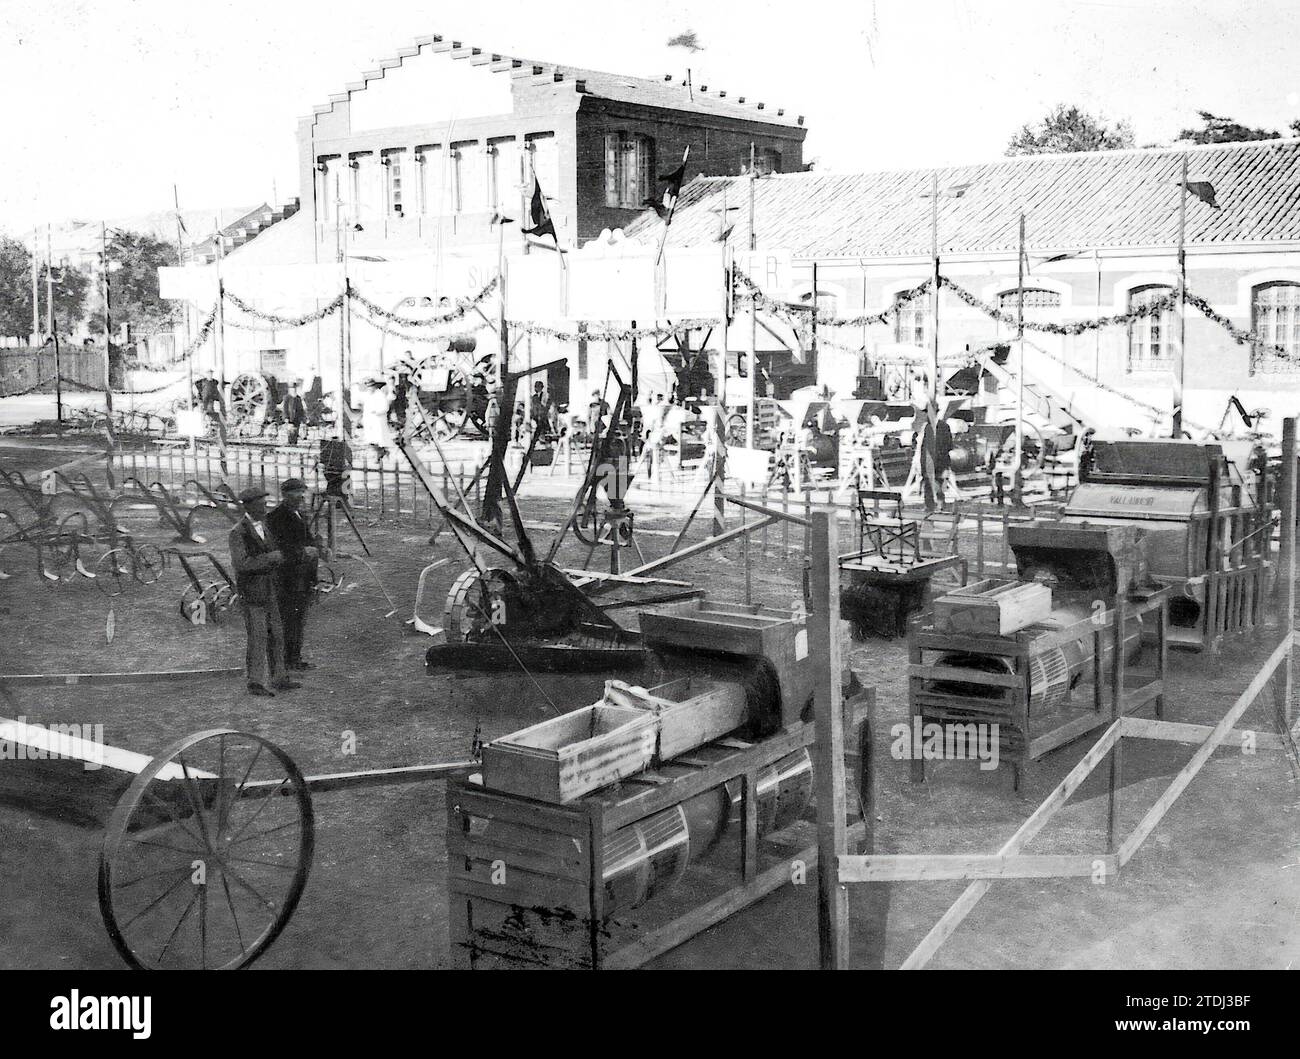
(403, 172)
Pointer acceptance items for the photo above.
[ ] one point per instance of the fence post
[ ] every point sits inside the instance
(823, 633)
(744, 537)
(1286, 557)
(979, 541)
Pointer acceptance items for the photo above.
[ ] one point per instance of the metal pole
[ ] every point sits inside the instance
(750, 426)
(54, 327)
(1017, 478)
(340, 255)
(108, 331)
(1286, 554)
(36, 297)
(1182, 301)
(934, 287)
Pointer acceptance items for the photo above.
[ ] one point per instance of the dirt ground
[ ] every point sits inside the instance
(1217, 884)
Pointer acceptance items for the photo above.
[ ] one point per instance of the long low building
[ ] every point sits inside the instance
(1101, 240)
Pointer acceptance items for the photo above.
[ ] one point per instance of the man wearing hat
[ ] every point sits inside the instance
(255, 559)
(295, 577)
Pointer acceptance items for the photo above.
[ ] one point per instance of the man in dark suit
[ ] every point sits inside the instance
(295, 413)
(295, 577)
(255, 559)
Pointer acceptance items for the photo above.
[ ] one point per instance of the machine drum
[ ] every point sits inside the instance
(645, 857)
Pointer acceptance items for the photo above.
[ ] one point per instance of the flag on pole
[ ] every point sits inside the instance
(668, 203)
(1204, 191)
(538, 215)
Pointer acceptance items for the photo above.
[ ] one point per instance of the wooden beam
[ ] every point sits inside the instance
(703, 546)
(1286, 555)
(770, 512)
(828, 712)
(1180, 732)
(970, 897)
(152, 677)
(1154, 815)
(934, 867)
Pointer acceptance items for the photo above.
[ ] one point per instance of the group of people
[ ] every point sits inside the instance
(275, 556)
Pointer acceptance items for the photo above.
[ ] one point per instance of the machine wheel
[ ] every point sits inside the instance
(113, 571)
(206, 854)
(468, 614)
(57, 558)
(737, 432)
(148, 562)
(248, 398)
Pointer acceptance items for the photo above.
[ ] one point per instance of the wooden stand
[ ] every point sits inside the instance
(1009, 704)
(548, 905)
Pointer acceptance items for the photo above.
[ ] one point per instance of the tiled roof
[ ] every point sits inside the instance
(1102, 199)
(669, 93)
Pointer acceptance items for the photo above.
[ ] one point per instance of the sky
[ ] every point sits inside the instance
(109, 103)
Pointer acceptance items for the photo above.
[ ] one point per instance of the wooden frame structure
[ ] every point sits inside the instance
(551, 908)
(1011, 704)
(1010, 861)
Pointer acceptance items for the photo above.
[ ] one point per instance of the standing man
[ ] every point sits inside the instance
(295, 577)
(214, 404)
(255, 558)
(295, 413)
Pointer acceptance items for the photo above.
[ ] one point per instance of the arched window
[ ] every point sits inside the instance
(1150, 337)
(912, 323)
(1275, 319)
(1036, 300)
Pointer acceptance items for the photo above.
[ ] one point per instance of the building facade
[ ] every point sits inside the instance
(1101, 240)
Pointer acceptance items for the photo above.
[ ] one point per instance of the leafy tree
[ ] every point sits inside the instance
(15, 288)
(70, 288)
(1224, 130)
(134, 259)
(1067, 128)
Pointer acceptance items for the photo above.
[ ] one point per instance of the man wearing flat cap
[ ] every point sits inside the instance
(255, 558)
(295, 577)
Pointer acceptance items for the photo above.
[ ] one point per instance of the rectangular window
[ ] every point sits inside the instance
(911, 324)
(1275, 319)
(767, 160)
(393, 160)
(430, 162)
(359, 194)
(468, 180)
(629, 170)
(503, 174)
(1150, 337)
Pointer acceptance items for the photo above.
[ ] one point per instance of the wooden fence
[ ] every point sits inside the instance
(23, 369)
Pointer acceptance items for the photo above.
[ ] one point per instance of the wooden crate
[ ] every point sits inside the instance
(992, 607)
(561, 759)
(689, 711)
(527, 880)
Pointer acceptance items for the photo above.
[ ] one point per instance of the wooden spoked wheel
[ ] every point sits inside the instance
(469, 604)
(206, 854)
(248, 398)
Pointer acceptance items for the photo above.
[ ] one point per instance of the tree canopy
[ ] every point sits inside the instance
(1215, 129)
(134, 260)
(1067, 128)
(15, 288)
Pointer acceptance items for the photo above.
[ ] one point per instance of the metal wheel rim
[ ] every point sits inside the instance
(117, 840)
(113, 571)
(148, 562)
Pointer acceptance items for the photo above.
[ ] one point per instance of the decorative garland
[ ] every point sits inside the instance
(1239, 335)
(406, 336)
(1162, 304)
(463, 306)
(624, 334)
(807, 312)
(285, 322)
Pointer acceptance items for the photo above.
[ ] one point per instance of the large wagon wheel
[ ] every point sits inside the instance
(206, 854)
(249, 395)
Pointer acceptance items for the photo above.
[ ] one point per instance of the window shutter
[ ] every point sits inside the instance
(612, 159)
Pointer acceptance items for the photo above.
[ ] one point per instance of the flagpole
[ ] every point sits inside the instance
(1017, 479)
(1180, 361)
(750, 435)
(934, 288)
(686, 154)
